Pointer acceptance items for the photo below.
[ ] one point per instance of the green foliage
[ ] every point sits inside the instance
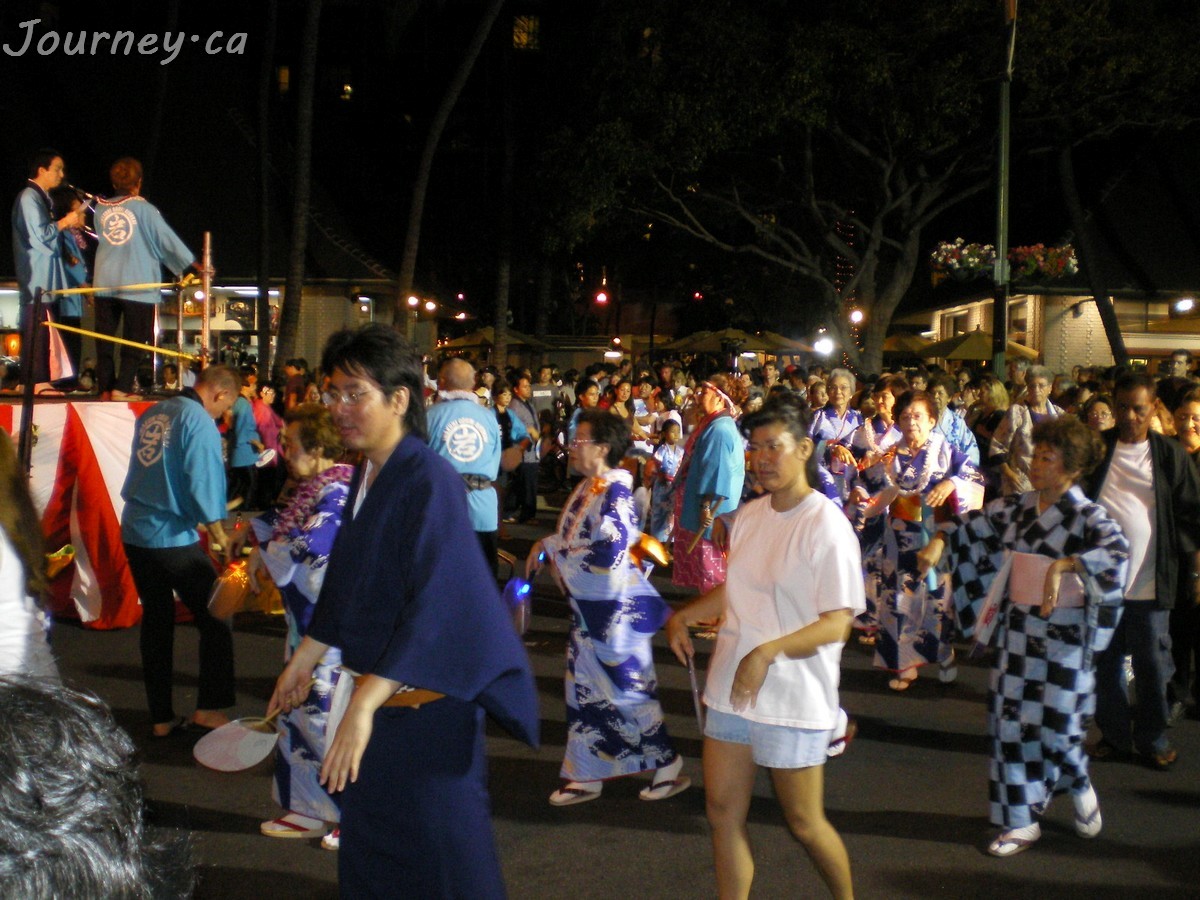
(1094, 68)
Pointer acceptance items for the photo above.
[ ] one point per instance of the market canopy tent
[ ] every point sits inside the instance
(723, 340)
(784, 344)
(486, 337)
(975, 344)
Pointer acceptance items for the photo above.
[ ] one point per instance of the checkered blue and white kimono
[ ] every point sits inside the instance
(1043, 679)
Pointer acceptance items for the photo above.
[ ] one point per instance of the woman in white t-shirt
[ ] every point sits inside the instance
(794, 585)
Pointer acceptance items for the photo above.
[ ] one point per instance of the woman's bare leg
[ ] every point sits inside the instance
(729, 772)
(801, 793)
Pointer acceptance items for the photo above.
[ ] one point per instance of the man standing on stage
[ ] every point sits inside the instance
(176, 479)
(135, 244)
(35, 236)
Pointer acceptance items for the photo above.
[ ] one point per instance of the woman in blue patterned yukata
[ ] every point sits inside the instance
(294, 545)
(614, 721)
(1047, 627)
(876, 437)
(832, 430)
(921, 473)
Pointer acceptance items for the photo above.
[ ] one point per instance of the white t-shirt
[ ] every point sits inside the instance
(1128, 495)
(785, 569)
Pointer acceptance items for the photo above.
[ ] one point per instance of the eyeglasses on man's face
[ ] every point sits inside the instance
(349, 398)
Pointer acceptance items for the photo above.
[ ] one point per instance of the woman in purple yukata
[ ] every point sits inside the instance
(294, 545)
(833, 428)
(1047, 629)
(919, 474)
(614, 721)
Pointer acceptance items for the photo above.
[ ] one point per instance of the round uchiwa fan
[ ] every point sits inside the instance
(239, 745)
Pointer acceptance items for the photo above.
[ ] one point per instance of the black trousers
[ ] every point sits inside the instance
(159, 575)
(489, 542)
(40, 364)
(524, 490)
(139, 326)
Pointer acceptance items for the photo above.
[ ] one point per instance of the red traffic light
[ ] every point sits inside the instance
(601, 297)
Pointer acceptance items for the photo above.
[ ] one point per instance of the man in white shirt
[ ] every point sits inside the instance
(1149, 487)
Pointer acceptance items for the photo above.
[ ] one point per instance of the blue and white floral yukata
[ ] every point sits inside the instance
(614, 721)
(916, 621)
(294, 545)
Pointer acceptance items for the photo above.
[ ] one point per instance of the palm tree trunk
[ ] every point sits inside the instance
(412, 236)
(289, 319)
(1088, 252)
(266, 81)
(504, 242)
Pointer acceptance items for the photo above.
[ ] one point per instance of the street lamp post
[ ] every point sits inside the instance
(1001, 274)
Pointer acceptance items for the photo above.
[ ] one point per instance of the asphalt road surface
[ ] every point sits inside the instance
(909, 797)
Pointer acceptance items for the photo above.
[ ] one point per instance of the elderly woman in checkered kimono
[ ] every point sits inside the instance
(1046, 627)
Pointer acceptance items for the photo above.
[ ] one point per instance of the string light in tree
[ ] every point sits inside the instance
(843, 274)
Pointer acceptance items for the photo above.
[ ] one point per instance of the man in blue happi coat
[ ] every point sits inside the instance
(467, 436)
(176, 480)
(36, 248)
(135, 244)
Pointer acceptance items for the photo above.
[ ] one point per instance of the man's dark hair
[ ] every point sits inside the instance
(71, 803)
(221, 378)
(584, 386)
(380, 354)
(942, 379)
(41, 159)
(607, 429)
(1131, 381)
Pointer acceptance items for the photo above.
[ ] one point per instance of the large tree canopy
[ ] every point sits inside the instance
(824, 138)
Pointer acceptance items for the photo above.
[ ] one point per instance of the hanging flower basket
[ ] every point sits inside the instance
(1042, 263)
(961, 261)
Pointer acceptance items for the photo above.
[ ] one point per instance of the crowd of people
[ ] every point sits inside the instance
(1051, 517)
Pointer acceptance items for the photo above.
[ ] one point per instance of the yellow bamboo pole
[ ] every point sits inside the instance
(116, 340)
(63, 292)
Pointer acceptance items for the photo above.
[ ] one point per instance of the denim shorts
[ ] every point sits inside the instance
(773, 746)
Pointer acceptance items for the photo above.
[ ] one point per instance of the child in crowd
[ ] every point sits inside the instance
(660, 476)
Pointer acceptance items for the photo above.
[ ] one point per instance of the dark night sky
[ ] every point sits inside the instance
(204, 174)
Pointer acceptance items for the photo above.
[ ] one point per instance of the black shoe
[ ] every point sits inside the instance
(1103, 750)
(1161, 760)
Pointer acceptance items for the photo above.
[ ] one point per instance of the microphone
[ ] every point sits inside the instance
(81, 192)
